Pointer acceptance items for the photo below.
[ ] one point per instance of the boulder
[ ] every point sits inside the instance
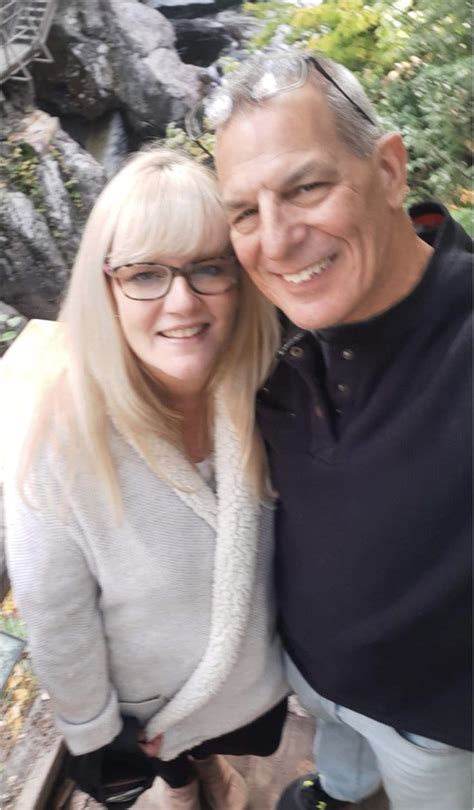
(116, 55)
(48, 187)
(201, 41)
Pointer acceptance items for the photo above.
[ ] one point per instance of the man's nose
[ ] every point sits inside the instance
(180, 298)
(280, 232)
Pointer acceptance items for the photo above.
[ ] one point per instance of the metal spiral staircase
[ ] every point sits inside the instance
(24, 28)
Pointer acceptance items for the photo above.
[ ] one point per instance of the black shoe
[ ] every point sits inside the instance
(306, 793)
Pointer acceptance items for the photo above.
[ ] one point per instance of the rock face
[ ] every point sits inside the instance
(201, 41)
(174, 9)
(48, 187)
(116, 54)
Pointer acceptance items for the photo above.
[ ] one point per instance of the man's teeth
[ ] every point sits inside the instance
(187, 332)
(308, 272)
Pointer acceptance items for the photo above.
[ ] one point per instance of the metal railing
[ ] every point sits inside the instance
(24, 28)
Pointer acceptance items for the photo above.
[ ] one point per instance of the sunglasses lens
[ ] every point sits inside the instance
(279, 75)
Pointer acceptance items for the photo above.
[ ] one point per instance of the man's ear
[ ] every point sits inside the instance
(391, 158)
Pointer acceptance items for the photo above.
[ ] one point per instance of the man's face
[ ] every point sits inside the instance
(310, 222)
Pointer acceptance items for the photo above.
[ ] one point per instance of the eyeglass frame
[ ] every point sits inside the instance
(174, 272)
(305, 58)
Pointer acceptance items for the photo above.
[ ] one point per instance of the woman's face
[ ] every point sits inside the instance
(180, 337)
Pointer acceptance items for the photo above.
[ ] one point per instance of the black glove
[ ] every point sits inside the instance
(117, 774)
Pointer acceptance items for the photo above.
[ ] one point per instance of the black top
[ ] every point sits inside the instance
(369, 445)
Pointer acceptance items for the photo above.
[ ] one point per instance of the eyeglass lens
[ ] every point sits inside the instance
(144, 282)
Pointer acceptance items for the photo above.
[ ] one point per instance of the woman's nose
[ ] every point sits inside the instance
(180, 297)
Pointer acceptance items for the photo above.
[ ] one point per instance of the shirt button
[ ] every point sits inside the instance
(318, 412)
(343, 388)
(347, 354)
(296, 351)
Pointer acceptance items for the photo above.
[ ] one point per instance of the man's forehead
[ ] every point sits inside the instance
(276, 138)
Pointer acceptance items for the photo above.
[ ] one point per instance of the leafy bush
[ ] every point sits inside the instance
(413, 58)
(431, 106)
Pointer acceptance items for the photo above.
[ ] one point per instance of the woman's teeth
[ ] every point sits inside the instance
(308, 272)
(187, 332)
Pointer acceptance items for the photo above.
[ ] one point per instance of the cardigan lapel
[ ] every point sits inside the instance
(236, 516)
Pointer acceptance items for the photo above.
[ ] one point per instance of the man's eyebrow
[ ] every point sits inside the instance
(235, 205)
(301, 173)
(289, 181)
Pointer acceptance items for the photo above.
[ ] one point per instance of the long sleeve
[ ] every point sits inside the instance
(57, 596)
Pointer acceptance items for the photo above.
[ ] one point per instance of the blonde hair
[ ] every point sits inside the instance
(160, 203)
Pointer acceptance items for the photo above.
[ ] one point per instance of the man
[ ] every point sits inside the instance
(366, 420)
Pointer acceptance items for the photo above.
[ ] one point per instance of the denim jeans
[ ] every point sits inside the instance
(355, 755)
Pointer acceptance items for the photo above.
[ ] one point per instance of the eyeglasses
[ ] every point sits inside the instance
(276, 75)
(147, 281)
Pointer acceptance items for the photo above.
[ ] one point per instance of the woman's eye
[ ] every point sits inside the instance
(147, 277)
(208, 270)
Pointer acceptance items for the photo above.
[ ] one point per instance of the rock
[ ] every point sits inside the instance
(239, 26)
(49, 185)
(174, 9)
(123, 57)
(108, 142)
(87, 176)
(201, 41)
(33, 269)
(37, 129)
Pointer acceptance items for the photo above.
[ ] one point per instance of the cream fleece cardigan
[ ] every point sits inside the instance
(169, 617)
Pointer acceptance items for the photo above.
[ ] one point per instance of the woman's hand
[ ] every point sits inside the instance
(151, 747)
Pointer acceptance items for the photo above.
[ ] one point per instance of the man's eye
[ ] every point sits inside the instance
(307, 188)
(242, 215)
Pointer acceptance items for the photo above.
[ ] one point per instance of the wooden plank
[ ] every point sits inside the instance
(40, 780)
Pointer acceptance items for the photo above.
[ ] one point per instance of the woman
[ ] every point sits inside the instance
(139, 542)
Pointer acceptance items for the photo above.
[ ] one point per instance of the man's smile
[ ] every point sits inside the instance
(308, 272)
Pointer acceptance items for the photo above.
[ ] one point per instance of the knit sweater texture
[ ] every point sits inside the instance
(168, 617)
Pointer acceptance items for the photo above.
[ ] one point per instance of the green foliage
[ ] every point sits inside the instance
(10, 328)
(176, 138)
(431, 106)
(413, 58)
(19, 166)
(359, 34)
(465, 216)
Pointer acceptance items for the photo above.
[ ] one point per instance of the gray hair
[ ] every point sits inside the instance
(359, 134)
